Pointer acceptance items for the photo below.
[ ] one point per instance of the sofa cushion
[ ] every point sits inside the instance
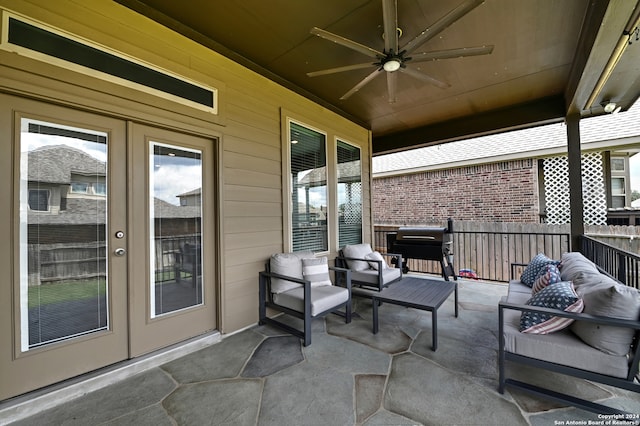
(357, 251)
(560, 296)
(563, 348)
(376, 256)
(574, 263)
(316, 271)
(549, 274)
(605, 297)
(323, 298)
(530, 273)
(289, 264)
(371, 276)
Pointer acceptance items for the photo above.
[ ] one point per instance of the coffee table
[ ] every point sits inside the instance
(419, 293)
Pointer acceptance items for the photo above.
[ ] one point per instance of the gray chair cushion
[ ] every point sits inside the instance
(289, 264)
(357, 251)
(322, 298)
(371, 276)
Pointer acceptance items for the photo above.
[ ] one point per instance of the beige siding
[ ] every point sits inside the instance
(248, 125)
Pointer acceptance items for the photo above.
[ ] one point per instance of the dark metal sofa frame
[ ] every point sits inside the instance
(266, 301)
(630, 382)
(341, 261)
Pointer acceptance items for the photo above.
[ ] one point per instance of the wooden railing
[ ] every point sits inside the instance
(620, 264)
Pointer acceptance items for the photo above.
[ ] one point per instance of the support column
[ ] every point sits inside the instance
(576, 203)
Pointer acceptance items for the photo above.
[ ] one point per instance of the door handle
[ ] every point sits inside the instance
(119, 251)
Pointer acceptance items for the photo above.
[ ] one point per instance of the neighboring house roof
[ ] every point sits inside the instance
(595, 132)
(196, 191)
(55, 163)
(165, 210)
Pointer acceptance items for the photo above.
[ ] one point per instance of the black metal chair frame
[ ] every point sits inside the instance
(341, 261)
(629, 383)
(266, 301)
(188, 260)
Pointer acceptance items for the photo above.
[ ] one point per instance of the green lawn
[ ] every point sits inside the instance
(66, 291)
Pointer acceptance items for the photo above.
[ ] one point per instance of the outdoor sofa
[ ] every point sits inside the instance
(568, 317)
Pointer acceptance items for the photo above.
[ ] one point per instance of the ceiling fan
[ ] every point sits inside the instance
(394, 58)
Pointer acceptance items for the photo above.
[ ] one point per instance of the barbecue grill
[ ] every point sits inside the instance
(425, 243)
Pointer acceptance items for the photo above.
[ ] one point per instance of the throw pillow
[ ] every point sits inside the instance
(316, 270)
(607, 298)
(560, 296)
(533, 268)
(376, 256)
(357, 251)
(550, 274)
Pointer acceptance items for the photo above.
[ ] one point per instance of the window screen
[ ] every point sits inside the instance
(308, 161)
(349, 194)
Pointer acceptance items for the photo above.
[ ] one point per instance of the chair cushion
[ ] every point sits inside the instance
(605, 297)
(323, 298)
(549, 274)
(560, 296)
(358, 251)
(371, 276)
(289, 264)
(374, 255)
(316, 270)
(533, 268)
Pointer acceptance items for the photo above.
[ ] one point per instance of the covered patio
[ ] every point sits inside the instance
(347, 376)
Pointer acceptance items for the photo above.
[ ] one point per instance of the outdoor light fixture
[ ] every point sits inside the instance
(611, 107)
(391, 65)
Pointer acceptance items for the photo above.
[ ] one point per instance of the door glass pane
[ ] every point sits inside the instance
(309, 189)
(349, 195)
(63, 267)
(176, 216)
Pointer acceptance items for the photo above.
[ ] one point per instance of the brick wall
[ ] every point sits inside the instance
(497, 192)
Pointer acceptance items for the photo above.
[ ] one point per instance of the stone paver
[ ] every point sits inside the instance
(347, 376)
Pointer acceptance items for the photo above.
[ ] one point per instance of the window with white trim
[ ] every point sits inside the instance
(308, 174)
(349, 194)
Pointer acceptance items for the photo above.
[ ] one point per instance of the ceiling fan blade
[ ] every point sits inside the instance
(442, 24)
(340, 69)
(451, 53)
(365, 50)
(392, 85)
(360, 85)
(424, 77)
(390, 20)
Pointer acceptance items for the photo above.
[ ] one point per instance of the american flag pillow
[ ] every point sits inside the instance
(550, 274)
(560, 296)
(530, 273)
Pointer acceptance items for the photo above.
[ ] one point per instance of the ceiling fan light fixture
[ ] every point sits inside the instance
(611, 107)
(392, 65)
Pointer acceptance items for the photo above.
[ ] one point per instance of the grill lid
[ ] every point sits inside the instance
(424, 234)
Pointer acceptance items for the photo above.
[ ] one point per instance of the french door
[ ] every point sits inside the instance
(109, 248)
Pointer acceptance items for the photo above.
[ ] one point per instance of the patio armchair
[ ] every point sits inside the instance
(299, 284)
(369, 268)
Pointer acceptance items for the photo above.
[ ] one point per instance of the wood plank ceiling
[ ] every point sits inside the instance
(547, 61)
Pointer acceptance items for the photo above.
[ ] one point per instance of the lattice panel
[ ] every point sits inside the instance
(556, 176)
(593, 191)
(352, 208)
